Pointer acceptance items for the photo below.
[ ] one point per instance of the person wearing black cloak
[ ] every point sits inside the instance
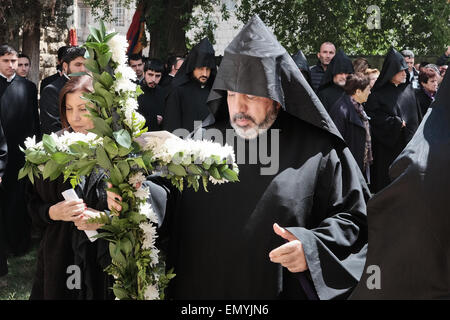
(293, 230)
(173, 65)
(46, 81)
(20, 119)
(72, 62)
(394, 116)
(302, 64)
(409, 239)
(186, 101)
(332, 86)
(151, 103)
(429, 84)
(3, 162)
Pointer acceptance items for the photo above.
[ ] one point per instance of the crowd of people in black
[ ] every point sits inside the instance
(377, 112)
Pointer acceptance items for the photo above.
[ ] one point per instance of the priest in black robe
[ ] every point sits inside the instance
(186, 102)
(151, 103)
(331, 88)
(72, 62)
(230, 242)
(20, 119)
(409, 239)
(394, 116)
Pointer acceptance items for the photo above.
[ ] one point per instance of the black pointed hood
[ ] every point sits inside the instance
(393, 63)
(340, 63)
(201, 55)
(255, 63)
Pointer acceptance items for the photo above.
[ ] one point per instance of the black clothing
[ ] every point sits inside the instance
(46, 81)
(351, 128)
(388, 105)
(20, 119)
(409, 221)
(63, 245)
(186, 100)
(328, 91)
(166, 81)
(443, 60)
(221, 239)
(151, 104)
(423, 99)
(49, 106)
(301, 62)
(317, 73)
(3, 162)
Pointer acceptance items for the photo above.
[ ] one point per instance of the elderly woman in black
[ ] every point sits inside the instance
(69, 265)
(352, 122)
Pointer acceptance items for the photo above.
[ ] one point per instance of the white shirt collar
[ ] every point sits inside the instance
(10, 79)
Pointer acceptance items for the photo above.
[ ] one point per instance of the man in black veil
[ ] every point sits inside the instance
(189, 90)
(294, 230)
(394, 116)
(332, 86)
(409, 239)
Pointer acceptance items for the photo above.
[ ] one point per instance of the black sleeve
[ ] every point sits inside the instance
(442, 60)
(3, 152)
(50, 121)
(172, 112)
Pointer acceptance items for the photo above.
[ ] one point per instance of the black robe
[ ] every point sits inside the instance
(409, 238)
(3, 162)
(186, 97)
(63, 245)
(49, 106)
(151, 104)
(20, 119)
(328, 91)
(221, 239)
(50, 79)
(423, 100)
(388, 105)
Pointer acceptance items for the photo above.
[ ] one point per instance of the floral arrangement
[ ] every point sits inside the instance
(120, 145)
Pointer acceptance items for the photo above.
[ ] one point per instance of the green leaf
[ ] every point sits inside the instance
(78, 74)
(110, 147)
(120, 293)
(50, 167)
(101, 127)
(103, 60)
(102, 31)
(37, 157)
(103, 159)
(62, 158)
(109, 36)
(106, 79)
(177, 169)
(95, 33)
(125, 246)
(124, 168)
(49, 143)
(215, 173)
(116, 175)
(139, 162)
(124, 151)
(87, 169)
(92, 65)
(230, 175)
(195, 169)
(24, 172)
(123, 138)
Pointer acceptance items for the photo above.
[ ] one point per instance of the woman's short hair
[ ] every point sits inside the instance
(426, 74)
(82, 84)
(370, 71)
(356, 81)
(360, 64)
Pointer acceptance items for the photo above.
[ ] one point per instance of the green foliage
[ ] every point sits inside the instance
(419, 25)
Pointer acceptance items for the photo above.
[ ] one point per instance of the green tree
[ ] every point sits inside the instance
(31, 16)
(419, 25)
(168, 21)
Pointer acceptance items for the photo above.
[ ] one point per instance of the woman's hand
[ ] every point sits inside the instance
(67, 210)
(112, 199)
(81, 221)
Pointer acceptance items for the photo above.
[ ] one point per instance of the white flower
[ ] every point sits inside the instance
(151, 293)
(215, 181)
(126, 72)
(136, 178)
(131, 104)
(142, 193)
(146, 209)
(41, 167)
(118, 45)
(123, 84)
(150, 235)
(30, 142)
(154, 256)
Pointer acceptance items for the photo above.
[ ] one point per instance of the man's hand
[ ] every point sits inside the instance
(81, 221)
(290, 255)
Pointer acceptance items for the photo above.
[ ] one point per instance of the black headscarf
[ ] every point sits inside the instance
(339, 64)
(393, 64)
(255, 63)
(201, 55)
(302, 63)
(409, 238)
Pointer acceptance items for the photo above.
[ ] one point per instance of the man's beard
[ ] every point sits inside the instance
(252, 133)
(201, 83)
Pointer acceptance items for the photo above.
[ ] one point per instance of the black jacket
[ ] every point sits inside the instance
(49, 106)
(317, 73)
(351, 128)
(46, 81)
(151, 104)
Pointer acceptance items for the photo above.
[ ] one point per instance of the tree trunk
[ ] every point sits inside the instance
(167, 35)
(30, 47)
